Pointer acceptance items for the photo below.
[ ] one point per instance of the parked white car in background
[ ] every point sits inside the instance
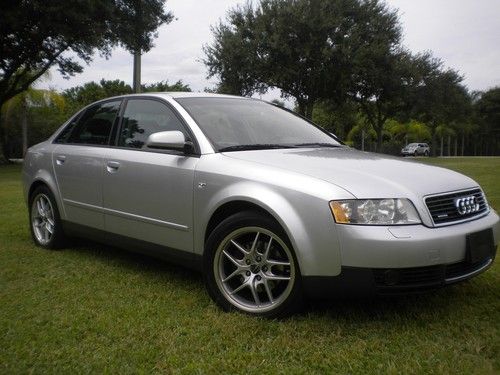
(416, 149)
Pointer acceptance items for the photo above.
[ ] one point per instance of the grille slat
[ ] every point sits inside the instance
(443, 209)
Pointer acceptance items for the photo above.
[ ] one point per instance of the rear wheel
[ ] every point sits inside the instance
(426, 153)
(249, 265)
(45, 221)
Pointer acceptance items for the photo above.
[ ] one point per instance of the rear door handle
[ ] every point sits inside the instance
(112, 166)
(60, 159)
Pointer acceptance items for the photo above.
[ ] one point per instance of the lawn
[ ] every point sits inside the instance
(91, 308)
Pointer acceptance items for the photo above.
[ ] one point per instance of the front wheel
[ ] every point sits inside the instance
(249, 265)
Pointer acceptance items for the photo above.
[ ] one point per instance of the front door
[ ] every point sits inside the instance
(148, 195)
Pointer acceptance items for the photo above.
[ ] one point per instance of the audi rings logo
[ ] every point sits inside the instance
(466, 205)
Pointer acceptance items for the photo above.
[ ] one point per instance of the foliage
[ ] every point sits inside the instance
(95, 309)
(306, 48)
(137, 22)
(487, 109)
(336, 118)
(89, 92)
(412, 131)
(80, 96)
(35, 35)
(45, 111)
(164, 86)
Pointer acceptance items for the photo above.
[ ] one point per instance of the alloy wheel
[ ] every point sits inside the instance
(42, 219)
(254, 269)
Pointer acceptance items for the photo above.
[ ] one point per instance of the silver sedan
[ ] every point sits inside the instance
(268, 206)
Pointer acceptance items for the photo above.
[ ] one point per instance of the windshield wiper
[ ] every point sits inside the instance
(259, 146)
(316, 144)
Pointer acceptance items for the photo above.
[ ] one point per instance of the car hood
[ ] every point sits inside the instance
(363, 174)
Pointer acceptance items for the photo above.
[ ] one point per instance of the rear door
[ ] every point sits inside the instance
(78, 163)
(148, 194)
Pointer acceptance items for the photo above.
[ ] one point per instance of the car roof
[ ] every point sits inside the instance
(181, 94)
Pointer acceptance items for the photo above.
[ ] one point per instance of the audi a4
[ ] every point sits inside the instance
(269, 207)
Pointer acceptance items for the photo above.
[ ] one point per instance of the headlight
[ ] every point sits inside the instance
(374, 212)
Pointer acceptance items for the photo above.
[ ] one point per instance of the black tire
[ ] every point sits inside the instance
(426, 153)
(57, 239)
(287, 303)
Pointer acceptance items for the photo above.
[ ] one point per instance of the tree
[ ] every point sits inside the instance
(137, 22)
(39, 112)
(439, 99)
(164, 86)
(80, 96)
(303, 47)
(487, 108)
(231, 56)
(337, 118)
(35, 35)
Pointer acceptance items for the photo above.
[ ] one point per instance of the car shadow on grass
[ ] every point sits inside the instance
(134, 261)
(434, 304)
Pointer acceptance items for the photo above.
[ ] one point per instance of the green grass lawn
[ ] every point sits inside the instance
(91, 308)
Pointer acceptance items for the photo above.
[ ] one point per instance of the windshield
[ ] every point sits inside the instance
(233, 124)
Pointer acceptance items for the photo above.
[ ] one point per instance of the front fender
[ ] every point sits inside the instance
(306, 219)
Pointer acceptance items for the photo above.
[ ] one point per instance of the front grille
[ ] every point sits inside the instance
(443, 208)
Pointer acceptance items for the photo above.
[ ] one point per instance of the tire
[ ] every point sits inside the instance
(249, 266)
(426, 153)
(415, 154)
(45, 221)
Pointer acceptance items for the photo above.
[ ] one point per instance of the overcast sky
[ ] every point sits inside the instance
(465, 34)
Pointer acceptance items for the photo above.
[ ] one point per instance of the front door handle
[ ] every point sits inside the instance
(112, 166)
(60, 159)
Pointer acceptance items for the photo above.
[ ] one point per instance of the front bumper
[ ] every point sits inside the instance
(410, 245)
(403, 259)
(355, 282)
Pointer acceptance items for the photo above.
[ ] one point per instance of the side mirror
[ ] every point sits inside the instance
(169, 140)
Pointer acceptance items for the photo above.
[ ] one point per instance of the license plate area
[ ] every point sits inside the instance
(480, 246)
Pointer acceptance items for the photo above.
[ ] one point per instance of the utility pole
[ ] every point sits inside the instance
(137, 72)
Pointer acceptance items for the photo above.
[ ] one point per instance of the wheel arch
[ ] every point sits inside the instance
(230, 208)
(44, 179)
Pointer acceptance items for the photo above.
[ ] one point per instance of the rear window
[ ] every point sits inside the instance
(94, 125)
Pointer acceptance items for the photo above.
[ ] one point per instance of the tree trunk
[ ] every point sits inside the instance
(442, 146)
(380, 137)
(434, 142)
(24, 125)
(362, 139)
(449, 145)
(463, 140)
(456, 146)
(309, 109)
(137, 72)
(3, 149)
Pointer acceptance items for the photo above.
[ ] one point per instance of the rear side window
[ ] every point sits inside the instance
(144, 117)
(94, 126)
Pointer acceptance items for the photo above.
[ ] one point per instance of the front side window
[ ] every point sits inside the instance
(144, 117)
(94, 126)
(233, 124)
